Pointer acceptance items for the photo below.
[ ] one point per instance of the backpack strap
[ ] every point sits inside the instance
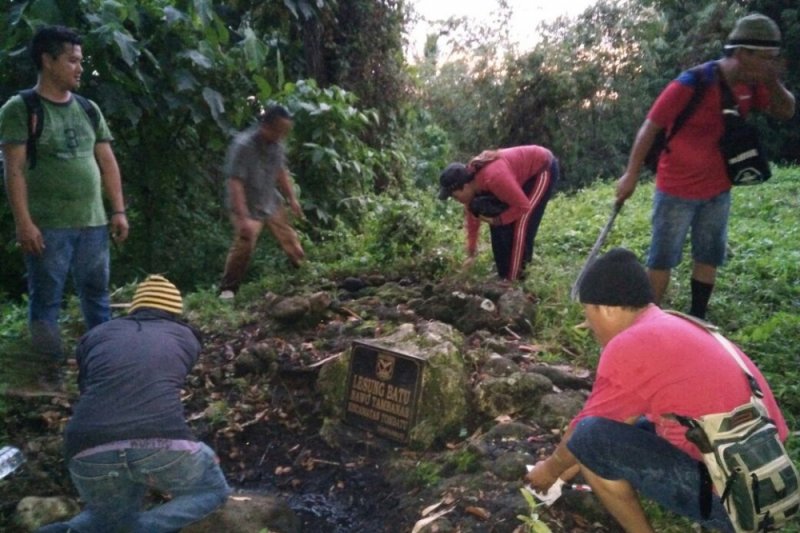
(702, 79)
(89, 109)
(33, 105)
(728, 345)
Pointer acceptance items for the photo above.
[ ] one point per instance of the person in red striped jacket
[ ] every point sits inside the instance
(509, 189)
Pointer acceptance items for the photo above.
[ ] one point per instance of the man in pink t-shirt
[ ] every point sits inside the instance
(519, 181)
(692, 187)
(654, 364)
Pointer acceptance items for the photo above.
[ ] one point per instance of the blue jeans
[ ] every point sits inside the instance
(653, 466)
(113, 485)
(673, 217)
(84, 253)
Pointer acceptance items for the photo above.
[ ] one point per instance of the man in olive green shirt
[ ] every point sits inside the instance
(60, 218)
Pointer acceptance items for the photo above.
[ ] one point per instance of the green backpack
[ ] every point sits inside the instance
(745, 458)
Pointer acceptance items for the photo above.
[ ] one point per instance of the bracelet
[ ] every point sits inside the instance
(118, 213)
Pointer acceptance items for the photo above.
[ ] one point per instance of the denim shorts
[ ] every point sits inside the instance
(673, 217)
(654, 467)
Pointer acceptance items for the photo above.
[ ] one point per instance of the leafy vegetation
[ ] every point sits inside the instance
(532, 522)
(176, 79)
(424, 474)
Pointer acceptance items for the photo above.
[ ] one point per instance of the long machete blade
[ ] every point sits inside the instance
(595, 249)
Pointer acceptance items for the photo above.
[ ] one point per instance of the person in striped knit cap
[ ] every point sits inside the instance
(128, 433)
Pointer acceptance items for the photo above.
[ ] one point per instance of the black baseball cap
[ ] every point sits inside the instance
(452, 178)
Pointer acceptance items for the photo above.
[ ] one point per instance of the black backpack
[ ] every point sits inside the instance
(33, 103)
(487, 205)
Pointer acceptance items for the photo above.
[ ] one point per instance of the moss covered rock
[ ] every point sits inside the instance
(442, 401)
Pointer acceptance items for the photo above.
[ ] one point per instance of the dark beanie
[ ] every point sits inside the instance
(616, 279)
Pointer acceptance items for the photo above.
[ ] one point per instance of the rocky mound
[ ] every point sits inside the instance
(264, 397)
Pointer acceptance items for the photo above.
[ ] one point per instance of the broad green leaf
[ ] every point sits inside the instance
(255, 52)
(264, 88)
(184, 80)
(16, 12)
(215, 101)
(204, 10)
(223, 35)
(291, 5)
(114, 12)
(198, 59)
(44, 10)
(127, 47)
(174, 16)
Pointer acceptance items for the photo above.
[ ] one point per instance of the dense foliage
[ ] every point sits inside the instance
(177, 79)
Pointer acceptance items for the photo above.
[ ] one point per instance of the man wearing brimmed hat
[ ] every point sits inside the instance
(653, 364)
(128, 433)
(509, 189)
(692, 185)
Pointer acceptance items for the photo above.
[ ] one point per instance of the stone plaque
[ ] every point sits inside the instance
(382, 390)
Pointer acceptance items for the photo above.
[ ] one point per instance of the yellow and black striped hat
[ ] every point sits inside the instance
(157, 292)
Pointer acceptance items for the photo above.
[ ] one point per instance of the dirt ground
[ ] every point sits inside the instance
(264, 423)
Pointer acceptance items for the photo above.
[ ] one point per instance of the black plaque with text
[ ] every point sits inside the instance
(382, 390)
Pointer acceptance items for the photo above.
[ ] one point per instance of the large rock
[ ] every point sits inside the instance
(293, 308)
(498, 366)
(518, 309)
(487, 306)
(556, 410)
(469, 311)
(564, 377)
(258, 358)
(510, 466)
(518, 393)
(33, 512)
(442, 404)
(245, 513)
